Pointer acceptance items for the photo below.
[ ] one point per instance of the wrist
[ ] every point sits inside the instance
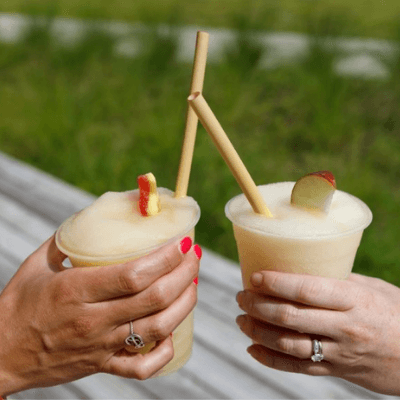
(10, 383)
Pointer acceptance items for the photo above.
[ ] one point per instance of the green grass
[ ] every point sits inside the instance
(98, 121)
(369, 18)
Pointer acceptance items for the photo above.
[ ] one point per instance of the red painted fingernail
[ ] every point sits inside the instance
(196, 281)
(186, 244)
(171, 334)
(198, 251)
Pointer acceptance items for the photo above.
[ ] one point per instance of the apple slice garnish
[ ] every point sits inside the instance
(314, 191)
(149, 200)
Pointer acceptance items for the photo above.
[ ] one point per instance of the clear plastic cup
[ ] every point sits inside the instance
(183, 335)
(329, 255)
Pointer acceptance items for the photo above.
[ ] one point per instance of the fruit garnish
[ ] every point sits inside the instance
(314, 191)
(149, 200)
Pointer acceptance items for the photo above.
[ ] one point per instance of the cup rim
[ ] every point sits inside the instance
(349, 232)
(116, 257)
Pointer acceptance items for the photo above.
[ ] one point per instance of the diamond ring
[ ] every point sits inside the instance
(317, 350)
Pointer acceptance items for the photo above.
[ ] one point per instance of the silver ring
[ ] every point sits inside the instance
(317, 350)
(134, 339)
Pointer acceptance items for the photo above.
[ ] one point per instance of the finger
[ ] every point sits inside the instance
(158, 296)
(283, 340)
(140, 366)
(160, 325)
(109, 282)
(290, 315)
(284, 362)
(306, 289)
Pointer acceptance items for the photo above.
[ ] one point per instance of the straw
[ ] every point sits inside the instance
(199, 67)
(229, 154)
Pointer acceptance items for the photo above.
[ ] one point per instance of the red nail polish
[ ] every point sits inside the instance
(196, 281)
(171, 334)
(186, 244)
(198, 251)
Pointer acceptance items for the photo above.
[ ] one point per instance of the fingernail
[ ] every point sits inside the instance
(198, 251)
(196, 281)
(171, 334)
(241, 320)
(256, 279)
(186, 244)
(251, 351)
(240, 297)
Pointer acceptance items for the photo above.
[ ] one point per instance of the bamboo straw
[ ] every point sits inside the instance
(228, 152)
(199, 67)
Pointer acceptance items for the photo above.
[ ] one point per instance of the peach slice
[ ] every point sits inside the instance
(149, 200)
(314, 191)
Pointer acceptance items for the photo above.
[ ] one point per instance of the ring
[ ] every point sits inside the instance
(317, 349)
(134, 339)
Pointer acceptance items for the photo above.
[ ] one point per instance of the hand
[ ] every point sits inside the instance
(357, 321)
(59, 324)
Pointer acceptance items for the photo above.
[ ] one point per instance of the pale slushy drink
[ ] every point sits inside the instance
(295, 239)
(112, 231)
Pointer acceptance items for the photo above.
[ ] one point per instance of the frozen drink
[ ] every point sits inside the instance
(297, 240)
(112, 231)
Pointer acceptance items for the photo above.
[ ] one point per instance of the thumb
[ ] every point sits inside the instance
(48, 256)
(54, 256)
(46, 259)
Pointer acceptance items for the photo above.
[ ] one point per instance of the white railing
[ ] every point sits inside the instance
(365, 58)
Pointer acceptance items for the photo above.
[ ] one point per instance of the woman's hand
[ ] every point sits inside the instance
(357, 322)
(59, 324)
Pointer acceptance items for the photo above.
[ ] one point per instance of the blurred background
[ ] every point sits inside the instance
(95, 93)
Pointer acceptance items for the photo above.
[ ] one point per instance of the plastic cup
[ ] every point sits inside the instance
(328, 255)
(183, 335)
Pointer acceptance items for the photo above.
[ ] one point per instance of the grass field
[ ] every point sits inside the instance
(98, 121)
(370, 18)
